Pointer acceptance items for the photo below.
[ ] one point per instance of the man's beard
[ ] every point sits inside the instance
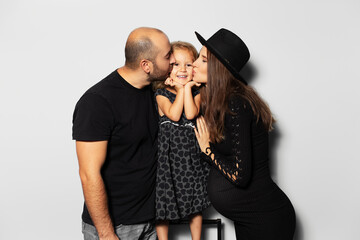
(158, 75)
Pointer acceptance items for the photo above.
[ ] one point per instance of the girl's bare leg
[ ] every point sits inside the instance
(195, 226)
(162, 230)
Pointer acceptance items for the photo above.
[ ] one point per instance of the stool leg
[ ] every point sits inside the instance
(219, 229)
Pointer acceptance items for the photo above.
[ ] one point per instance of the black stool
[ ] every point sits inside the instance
(216, 222)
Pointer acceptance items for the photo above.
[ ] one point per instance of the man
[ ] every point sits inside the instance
(115, 127)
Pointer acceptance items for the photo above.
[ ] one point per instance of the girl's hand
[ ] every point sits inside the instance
(202, 134)
(177, 85)
(172, 83)
(192, 83)
(169, 81)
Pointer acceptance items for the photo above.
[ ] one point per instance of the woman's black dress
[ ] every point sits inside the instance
(240, 186)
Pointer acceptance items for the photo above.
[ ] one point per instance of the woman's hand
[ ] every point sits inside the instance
(202, 134)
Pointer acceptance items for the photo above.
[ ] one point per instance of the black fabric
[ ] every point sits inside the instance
(272, 225)
(181, 175)
(229, 49)
(126, 117)
(240, 186)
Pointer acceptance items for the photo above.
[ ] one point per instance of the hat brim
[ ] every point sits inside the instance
(221, 58)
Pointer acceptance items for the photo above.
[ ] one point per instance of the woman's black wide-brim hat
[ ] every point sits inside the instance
(229, 49)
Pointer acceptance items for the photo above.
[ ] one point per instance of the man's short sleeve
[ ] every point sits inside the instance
(93, 119)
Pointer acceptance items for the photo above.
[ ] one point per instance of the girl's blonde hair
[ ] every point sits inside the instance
(177, 45)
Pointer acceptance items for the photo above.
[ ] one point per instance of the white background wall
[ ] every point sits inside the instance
(304, 62)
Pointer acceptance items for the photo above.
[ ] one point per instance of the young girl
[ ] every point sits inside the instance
(181, 175)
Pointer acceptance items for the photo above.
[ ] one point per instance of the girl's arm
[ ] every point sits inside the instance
(191, 104)
(172, 110)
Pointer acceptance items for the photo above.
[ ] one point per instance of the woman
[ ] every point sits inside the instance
(233, 137)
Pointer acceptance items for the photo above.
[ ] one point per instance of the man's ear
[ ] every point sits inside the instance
(146, 65)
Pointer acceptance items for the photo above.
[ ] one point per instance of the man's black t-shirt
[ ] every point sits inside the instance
(125, 116)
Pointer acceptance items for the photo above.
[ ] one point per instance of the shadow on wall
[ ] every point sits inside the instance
(249, 73)
(299, 230)
(274, 139)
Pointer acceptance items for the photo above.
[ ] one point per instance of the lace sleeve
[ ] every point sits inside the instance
(237, 167)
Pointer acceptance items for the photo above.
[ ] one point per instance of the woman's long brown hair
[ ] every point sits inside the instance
(221, 84)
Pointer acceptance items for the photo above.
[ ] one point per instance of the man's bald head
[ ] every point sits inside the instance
(141, 45)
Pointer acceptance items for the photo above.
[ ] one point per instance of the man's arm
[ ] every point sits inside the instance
(91, 156)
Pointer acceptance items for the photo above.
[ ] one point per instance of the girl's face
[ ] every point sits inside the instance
(200, 67)
(182, 68)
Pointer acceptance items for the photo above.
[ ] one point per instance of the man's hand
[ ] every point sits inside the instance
(111, 237)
